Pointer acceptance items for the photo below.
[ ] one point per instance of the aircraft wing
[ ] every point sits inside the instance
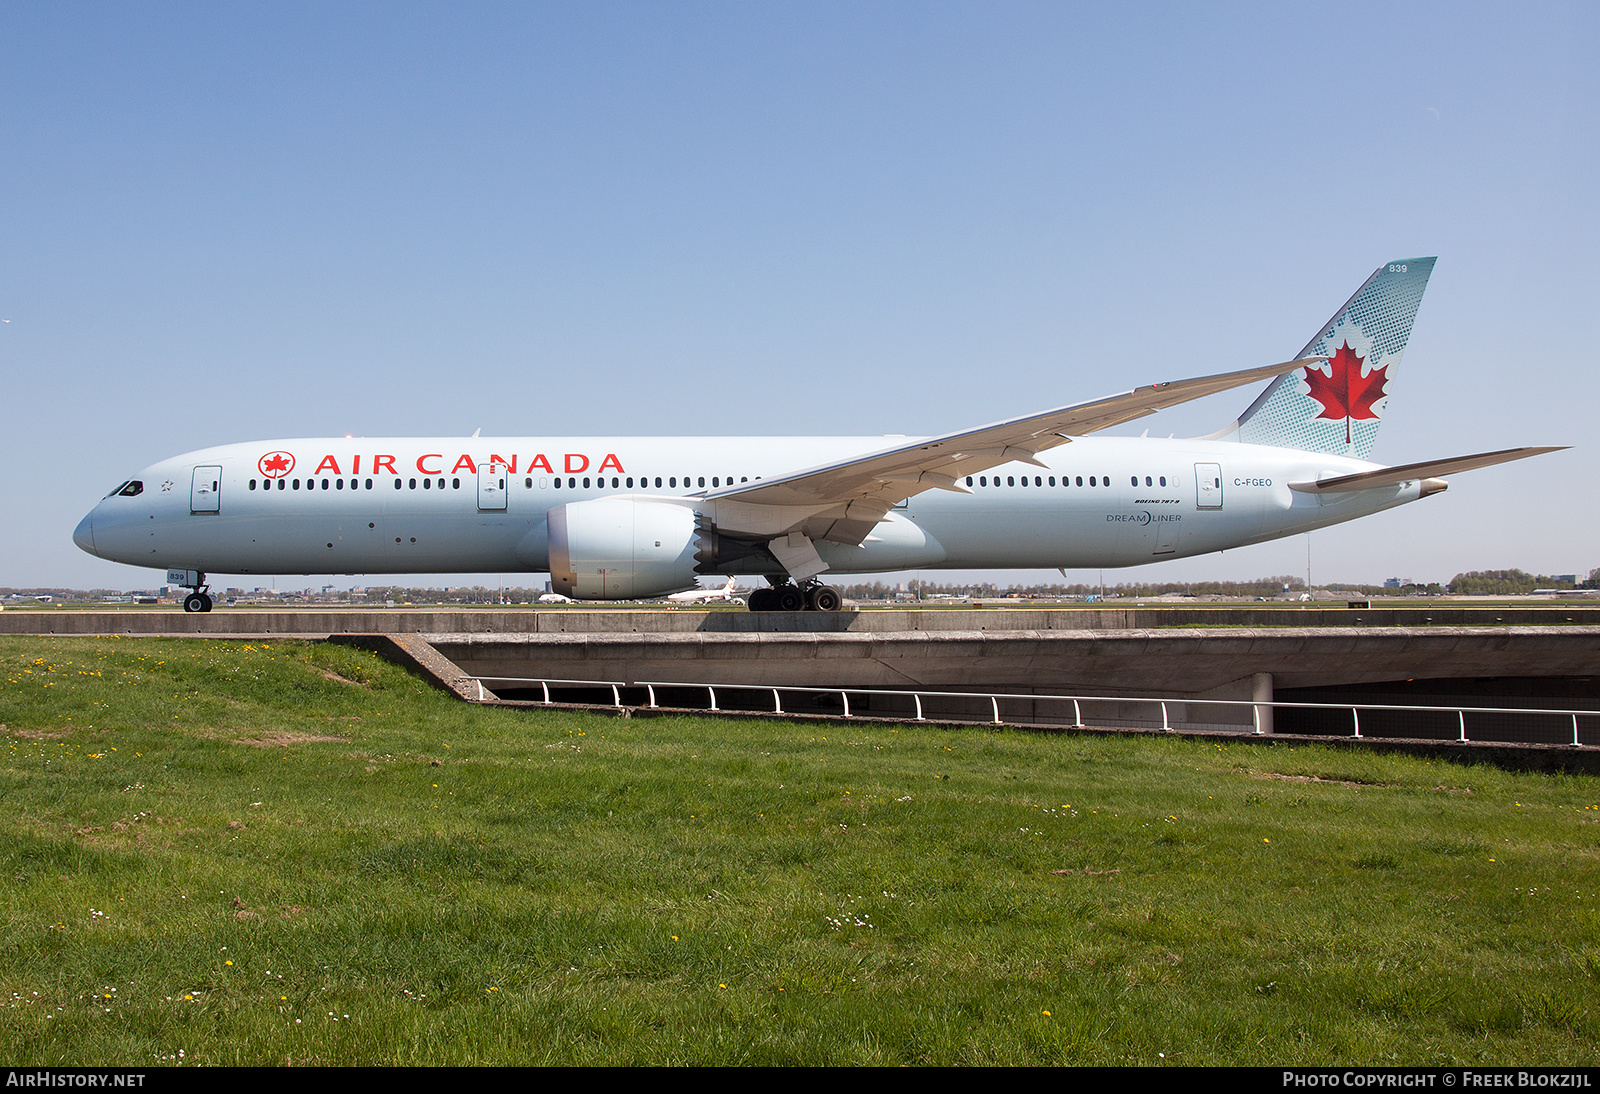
(846, 499)
(1391, 476)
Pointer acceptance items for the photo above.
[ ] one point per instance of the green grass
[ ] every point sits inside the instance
(259, 853)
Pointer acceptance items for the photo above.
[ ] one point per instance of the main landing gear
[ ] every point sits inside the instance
(813, 596)
(197, 601)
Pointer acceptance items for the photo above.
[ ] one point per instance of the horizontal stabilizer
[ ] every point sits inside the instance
(1390, 476)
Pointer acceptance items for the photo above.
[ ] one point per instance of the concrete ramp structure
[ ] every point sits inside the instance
(1538, 657)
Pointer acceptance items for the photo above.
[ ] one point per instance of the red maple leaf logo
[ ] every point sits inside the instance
(275, 465)
(1346, 393)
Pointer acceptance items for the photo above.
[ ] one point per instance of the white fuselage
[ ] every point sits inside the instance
(453, 505)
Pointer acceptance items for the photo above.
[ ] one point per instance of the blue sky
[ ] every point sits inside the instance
(229, 222)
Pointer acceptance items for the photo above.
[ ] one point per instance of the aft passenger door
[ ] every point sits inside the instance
(1208, 485)
(205, 495)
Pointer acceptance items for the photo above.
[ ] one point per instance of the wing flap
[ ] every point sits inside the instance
(882, 479)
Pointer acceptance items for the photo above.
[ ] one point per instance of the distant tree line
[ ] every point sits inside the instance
(1510, 582)
(1474, 583)
(1264, 586)
(452, 594)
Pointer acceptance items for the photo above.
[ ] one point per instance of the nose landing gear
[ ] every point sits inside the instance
(198, 600)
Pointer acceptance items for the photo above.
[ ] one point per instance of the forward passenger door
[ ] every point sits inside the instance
(205, 494)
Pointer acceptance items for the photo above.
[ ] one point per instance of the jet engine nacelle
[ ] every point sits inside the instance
(621, 548)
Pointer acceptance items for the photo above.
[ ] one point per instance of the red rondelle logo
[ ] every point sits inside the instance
(275, 465)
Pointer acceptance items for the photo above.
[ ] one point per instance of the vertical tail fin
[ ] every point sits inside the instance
(1339, 407)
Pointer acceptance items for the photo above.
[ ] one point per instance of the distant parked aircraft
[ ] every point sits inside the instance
(730, 591)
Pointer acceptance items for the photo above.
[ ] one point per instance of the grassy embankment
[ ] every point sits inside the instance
(228, 852)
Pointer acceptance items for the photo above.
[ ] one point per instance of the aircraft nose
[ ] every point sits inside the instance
(83, 535)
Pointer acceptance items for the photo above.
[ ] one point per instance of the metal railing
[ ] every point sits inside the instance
(1260, 711)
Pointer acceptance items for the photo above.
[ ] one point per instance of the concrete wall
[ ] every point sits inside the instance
(318, 622)
(1197, 663)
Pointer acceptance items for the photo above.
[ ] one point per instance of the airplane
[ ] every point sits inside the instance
(616, 518)
(731, 591)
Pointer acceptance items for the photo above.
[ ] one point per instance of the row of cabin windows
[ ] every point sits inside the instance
(328, 484)
(1066, 480)
(338, 483)
(617, 481)
(356, 484)
(644, 482)
(455, 483)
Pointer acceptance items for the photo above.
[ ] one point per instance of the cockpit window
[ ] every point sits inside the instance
(131, 489)
(117, 489)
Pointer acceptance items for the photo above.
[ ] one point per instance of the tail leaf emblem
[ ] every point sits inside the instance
(1343, 391)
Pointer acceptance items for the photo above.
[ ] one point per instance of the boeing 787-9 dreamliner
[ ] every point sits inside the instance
(614, 518)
